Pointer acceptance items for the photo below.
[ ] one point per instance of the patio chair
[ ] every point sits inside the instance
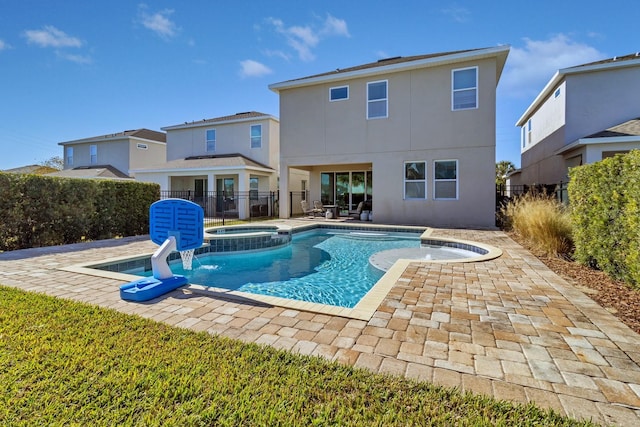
(308, 210)
(319, 207)
(356, 214)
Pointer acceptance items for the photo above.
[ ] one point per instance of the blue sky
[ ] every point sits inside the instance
(75, 68)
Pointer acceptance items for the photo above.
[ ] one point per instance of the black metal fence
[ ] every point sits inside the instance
(559, 191)
(221, 206)
(295, 207)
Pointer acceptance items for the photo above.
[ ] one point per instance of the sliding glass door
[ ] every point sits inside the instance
(346, 189)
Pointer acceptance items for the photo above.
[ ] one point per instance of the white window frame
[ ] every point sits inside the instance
(454, 91)
(456, 180)
(405, 181)
(386, 100)
(93, 154)
(69, 156)
(529, 132)
(332, 99)
(210, 144)
(251, 137)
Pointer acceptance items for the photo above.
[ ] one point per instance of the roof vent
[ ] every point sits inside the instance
(244, 112)
(389, 59)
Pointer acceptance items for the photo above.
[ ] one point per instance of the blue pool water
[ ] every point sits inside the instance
(322, 266)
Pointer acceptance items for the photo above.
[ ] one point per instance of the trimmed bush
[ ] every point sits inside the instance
(45, 211)
(605, 211)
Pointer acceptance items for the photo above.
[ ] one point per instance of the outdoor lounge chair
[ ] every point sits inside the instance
(308, 210)
(356, 214)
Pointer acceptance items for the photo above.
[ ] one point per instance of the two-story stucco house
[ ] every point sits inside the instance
(221, 158)
(113, 155)
(413, 136)
(584, 114)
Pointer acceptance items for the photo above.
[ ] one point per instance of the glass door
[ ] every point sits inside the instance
(343, 188)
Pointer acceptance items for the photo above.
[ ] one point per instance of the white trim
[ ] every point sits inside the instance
(339, 99)
(456, 180)
(602, 140)
(403, 66)
(206, 140)
(251, 136)
(453, 90)
(386, 100)
(425, 181)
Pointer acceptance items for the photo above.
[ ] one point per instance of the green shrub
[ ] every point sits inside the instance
(605, 211)
(45, 211)
(542, 222)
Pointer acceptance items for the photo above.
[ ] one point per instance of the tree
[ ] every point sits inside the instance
(55, 162)
(503, 168)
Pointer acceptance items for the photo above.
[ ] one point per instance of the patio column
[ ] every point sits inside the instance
(243, 189)
(211, 188)
(284, 191)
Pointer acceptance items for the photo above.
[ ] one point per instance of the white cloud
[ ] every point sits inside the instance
(530, 67)
(50, 36)
(78, 59)
(457, 13)
(4, 45)
(335, 27)
(158, 22)
(304, 38)
(251, 68)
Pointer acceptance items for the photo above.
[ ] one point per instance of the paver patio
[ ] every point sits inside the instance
(508, 327)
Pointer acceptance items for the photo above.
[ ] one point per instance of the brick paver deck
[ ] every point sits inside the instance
(509, 327)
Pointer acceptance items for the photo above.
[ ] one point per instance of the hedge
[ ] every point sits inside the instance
(605, 212)
(45, 211)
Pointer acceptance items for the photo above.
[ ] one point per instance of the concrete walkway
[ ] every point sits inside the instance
(509, 328)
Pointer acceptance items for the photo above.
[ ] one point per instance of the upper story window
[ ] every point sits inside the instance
(557, 93)
(529, 132)
(93, 154)
(464, 84)
(445, 179)
(69, 156)
(256, 136)
(523, 137)
(377, 100)
(211, 140)
(339, 93)
(415, 180)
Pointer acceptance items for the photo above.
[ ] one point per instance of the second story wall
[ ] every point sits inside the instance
(599, 100)
(114, 153)
(547, 120)
(419, 114)
(219, 138)
(144, 153)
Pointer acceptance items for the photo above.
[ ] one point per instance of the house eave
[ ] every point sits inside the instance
(111, 139)
(559, 76)
(203, 169)
(204, 123)
(501, 52)
(594, 141)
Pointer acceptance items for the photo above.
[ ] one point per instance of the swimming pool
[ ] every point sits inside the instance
(320, 266)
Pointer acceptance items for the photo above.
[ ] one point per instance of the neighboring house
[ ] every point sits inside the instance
(225, 157)
(422, 128)
(113, 155)
(584, 114)
(32, 169)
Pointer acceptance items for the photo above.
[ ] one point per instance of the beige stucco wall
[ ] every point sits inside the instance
(231, 138)
(155, 154)
(421, 127)
(114, 153)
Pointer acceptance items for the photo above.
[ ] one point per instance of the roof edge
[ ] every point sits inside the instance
(502, 50)
(212, 122)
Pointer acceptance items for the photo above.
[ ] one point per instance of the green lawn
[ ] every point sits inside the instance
(67, 363)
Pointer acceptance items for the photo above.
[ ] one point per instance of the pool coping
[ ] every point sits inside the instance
(363, 310)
